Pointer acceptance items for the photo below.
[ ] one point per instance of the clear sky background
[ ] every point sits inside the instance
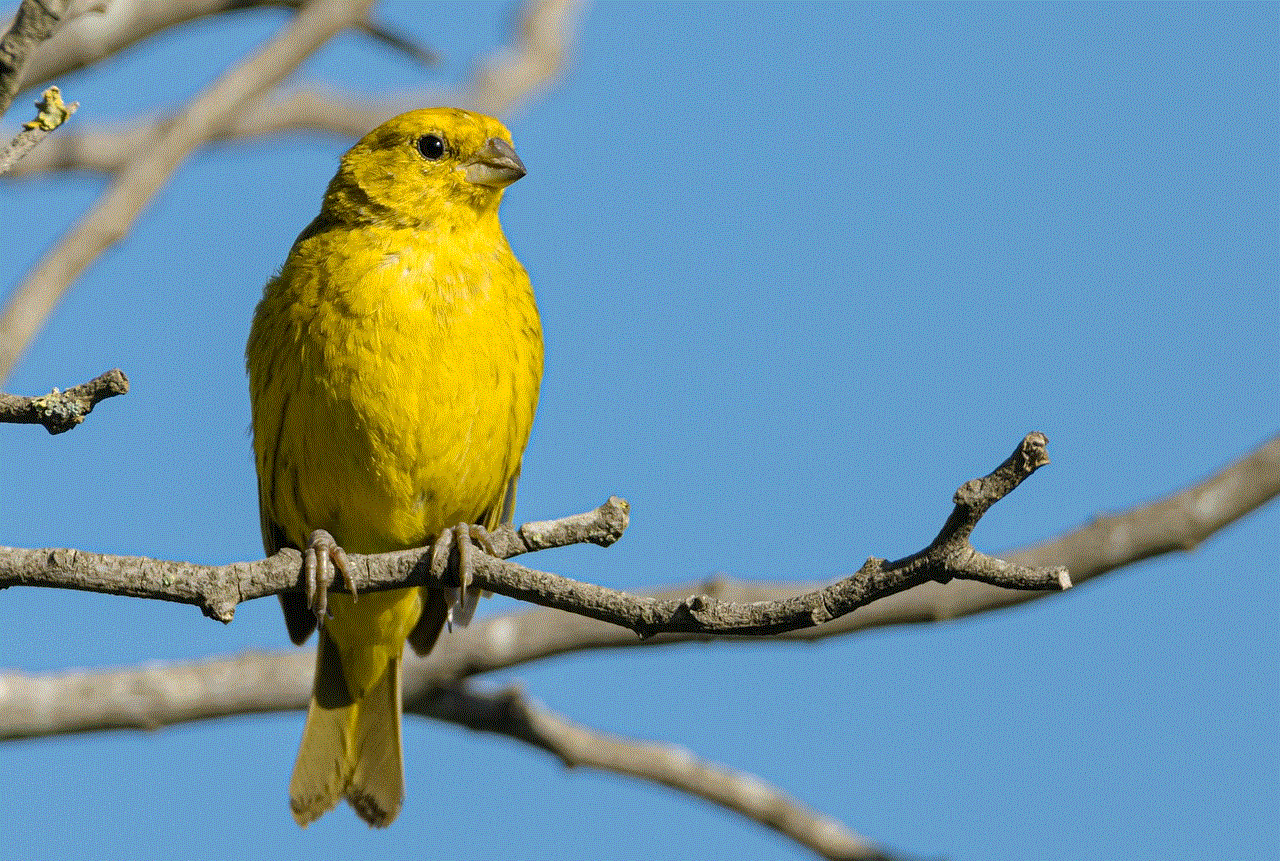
(803, 270)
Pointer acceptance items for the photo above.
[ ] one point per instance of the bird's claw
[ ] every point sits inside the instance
(463, 537)
(323, 555)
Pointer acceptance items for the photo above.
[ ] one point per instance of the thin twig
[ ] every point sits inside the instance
(218, 589)
(402, 42)
(1178, 522)
(53, 113)
(131, 190)
(61, 411)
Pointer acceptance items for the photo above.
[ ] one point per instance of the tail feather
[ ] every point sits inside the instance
(349, 747)
(376, 788)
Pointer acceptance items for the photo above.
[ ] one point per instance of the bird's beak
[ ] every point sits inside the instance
(495, 165)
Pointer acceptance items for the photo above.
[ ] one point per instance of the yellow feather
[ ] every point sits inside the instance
(394, 366)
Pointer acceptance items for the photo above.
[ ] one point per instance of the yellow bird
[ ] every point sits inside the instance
(394, 365)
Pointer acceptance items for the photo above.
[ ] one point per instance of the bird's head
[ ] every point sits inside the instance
(426, 167)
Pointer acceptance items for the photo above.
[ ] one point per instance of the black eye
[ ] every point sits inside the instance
(431, 146)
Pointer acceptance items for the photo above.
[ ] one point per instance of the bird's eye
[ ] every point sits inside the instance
(431, 146)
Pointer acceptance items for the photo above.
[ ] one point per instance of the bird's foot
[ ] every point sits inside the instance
(464, 538)
(319, 562)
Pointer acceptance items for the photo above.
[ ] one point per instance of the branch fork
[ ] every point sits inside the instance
(950, 556)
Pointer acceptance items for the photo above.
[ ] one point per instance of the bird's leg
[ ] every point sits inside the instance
(462, 537)
(318, 563)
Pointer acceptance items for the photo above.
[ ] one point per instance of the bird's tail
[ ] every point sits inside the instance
(350, 747)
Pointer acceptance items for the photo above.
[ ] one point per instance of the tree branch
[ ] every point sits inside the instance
(111, 219)
(218, 589)
(34, 22)
(61, 411)
(86, 39)
(1177, 522)
(510, 713)
(509, 76)
(157, 696)
(522, 637)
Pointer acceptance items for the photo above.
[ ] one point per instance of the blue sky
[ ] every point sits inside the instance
(802, 270)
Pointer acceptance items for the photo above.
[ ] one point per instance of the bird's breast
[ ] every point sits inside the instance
(418, 379)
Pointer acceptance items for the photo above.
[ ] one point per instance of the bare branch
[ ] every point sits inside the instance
(1177, 522)
(133, 188)
(949, 556)
(538, 52)
(545, 31)
(61, 411)
(34, 22)
(512, 714)
(1091, 551)
(157, 696)
(154, 696)
(53, 113)
(105, 29)
(218, 589)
